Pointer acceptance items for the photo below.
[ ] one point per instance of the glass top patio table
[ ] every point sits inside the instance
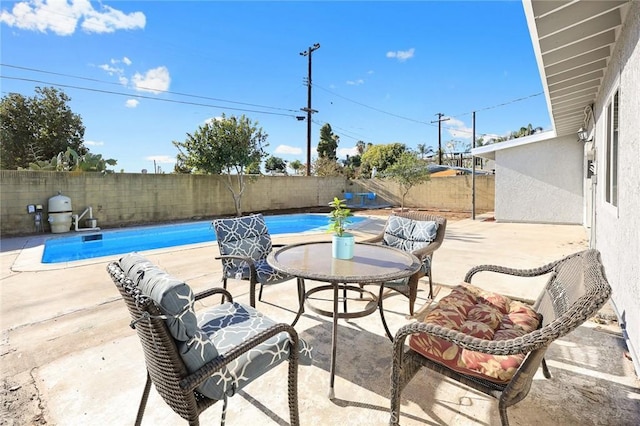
(370, 264)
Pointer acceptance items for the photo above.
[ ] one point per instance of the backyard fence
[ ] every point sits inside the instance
(122, 199)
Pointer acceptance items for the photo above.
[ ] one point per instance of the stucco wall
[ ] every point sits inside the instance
(617, 230)
(540, 182)
(126, 199)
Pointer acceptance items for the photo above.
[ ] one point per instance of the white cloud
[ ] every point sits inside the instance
(288, 150)
(132, 103)
(355, 82)
(62, 17)
(110, 69)
(126, 61)
(457, 128)
(93, 143)
(161, 159)
(343, 152)
(370, 72)
(155, 80)
(212, 119)
(401, 55)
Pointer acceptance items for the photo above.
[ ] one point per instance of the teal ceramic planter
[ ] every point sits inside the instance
(342, 247)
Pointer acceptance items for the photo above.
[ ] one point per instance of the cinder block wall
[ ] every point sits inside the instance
(447, 193)
(122, 199)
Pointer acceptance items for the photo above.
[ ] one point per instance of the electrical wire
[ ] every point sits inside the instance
(145, 88)
(110, 92)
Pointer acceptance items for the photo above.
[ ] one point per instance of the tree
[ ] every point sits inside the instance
(275, 165)
(38, 128)
(225, 146)
(253, 168)
(328, 145)
(296, 165)
(423, 150)
(326, 167)
(382, 156)
(407, 172)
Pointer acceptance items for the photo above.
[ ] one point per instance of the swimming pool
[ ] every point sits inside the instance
(106, 243)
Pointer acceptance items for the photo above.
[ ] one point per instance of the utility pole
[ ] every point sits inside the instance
(439, 121)
(473, 170)
(308, 109)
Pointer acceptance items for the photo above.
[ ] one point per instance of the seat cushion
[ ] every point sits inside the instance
(174, 297)
(224, 327)
(480, 314)
(243, 236)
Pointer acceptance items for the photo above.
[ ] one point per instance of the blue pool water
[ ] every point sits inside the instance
(96, 244)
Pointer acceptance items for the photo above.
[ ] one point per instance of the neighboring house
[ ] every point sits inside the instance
(588, 54)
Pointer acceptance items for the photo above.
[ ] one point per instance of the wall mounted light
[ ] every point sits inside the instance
(583, 135)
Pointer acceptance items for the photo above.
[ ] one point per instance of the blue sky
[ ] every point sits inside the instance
(143, 74)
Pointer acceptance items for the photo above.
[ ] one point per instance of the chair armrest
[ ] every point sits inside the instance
(375, 239)
(250, 262)
(196, 378)
(510, 271)
(520, 345)
(278, 245)
(423, 252)
(211, 292)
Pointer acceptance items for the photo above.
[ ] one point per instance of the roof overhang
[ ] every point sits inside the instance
(573, 42)
(489, 151)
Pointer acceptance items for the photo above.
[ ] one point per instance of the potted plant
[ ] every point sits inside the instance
(342, 243)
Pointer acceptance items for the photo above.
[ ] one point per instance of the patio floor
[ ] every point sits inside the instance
(68, 355)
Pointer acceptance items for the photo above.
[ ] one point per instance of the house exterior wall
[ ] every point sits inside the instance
(540, 182)
(617, 230)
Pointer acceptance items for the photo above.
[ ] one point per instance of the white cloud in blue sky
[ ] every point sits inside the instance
(401, 55)
(156, 80)
(63, 17)
(132, 103)
(287, 150)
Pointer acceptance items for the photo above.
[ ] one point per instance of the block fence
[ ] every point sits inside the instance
(124, 199)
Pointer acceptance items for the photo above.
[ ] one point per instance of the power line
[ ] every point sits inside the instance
(145, 88)
(144, 97)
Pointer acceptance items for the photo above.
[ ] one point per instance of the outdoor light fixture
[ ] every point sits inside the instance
(583, 135)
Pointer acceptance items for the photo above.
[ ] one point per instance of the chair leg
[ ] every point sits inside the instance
(223, 419)
(292, 390)
(260, 293)
(143, 401)
(504, 419)
(224, 286)
(545, 369)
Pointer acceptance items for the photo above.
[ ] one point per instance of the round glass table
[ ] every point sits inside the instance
(371, 264)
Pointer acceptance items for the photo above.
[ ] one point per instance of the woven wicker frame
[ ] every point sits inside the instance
(423, 253)
(165, 368)
(576, 290)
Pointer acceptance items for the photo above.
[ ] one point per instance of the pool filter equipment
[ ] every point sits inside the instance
(60, 213)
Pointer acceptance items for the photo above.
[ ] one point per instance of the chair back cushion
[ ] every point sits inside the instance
(173, 297)
(408, 234)
(480, 314)
(242, 236)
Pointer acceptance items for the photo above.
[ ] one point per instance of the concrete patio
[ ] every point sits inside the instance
(69, 356)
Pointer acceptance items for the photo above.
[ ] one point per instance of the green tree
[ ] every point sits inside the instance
(225, 146)
(326, 167)
(328, 145)
(253, 168)
(423, 150)
(296, 165)
(275, 165)
(382, 156)
(407, 172)
(38, 128)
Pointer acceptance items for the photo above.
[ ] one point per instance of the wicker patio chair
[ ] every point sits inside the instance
(576, 290)
(244, 244)
(195, 361)
(419, 233)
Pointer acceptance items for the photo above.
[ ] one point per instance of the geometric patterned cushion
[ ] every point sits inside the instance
(246, 236)
(173, 296)
(409, 235)
(225, 326)
(481, 314)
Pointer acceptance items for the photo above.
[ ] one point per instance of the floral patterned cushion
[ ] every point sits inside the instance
(481, 314)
